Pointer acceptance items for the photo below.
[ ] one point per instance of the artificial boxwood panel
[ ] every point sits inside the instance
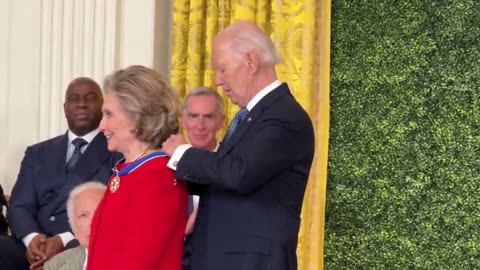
(404, 161)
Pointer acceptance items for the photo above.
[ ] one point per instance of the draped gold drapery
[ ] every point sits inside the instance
(301, 31)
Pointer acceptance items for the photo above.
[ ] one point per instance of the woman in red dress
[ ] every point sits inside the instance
(141, 219)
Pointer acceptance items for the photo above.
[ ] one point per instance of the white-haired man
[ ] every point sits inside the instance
(252, 188)
(81, 205)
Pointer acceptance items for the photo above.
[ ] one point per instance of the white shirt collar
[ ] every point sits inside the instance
(86, 256)
(263, 93)
(87, 137)
(216, 147)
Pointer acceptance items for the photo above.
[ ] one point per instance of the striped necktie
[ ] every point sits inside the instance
(77, 152)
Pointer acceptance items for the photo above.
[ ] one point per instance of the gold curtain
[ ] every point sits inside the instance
(301, 31)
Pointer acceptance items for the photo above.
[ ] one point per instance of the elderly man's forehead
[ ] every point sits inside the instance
(88, 193)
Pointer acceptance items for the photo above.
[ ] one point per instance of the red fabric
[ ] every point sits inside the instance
(142, 224)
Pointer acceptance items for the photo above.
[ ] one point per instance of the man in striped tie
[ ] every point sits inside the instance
(49, 171)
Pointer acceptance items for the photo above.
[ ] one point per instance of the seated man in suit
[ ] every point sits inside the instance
(202, 118)
(49, 171)
(81, 205)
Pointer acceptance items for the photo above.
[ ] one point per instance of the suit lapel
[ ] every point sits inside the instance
(53, 170)
(90, 161)
(253, 115)
(96, 153)
(59, 157)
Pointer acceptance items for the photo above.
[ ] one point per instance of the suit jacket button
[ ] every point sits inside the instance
(52, 218)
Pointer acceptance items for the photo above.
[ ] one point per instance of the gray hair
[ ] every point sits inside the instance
(149, 101)
(246, 37)
(205, 91)
(92, 185)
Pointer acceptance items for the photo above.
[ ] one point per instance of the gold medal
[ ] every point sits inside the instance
(115, 184)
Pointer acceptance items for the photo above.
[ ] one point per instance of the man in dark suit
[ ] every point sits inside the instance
(49, 171)
(251, 190)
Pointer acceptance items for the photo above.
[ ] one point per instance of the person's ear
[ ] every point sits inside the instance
(252, 61)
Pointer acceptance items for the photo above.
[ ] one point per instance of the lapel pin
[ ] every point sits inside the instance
(249, 119)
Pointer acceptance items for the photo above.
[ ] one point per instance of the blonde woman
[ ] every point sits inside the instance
(141, 220)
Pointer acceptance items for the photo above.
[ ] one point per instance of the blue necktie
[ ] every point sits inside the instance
(235, 122)
(77, 152)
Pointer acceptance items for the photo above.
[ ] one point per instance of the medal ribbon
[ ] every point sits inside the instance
(137, 163)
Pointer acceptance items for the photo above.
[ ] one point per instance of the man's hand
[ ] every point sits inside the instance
(36, 251)
(172, 143)
(54, 245)
(42, 248)
(38, 265)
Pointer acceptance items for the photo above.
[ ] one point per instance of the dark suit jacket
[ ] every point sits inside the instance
(249, 212)
(38, 199)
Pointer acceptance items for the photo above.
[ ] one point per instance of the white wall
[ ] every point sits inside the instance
(44, 44)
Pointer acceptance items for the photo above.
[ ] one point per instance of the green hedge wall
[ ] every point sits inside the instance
(404, 162)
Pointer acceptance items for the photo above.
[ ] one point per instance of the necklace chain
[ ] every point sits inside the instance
(140, 155)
